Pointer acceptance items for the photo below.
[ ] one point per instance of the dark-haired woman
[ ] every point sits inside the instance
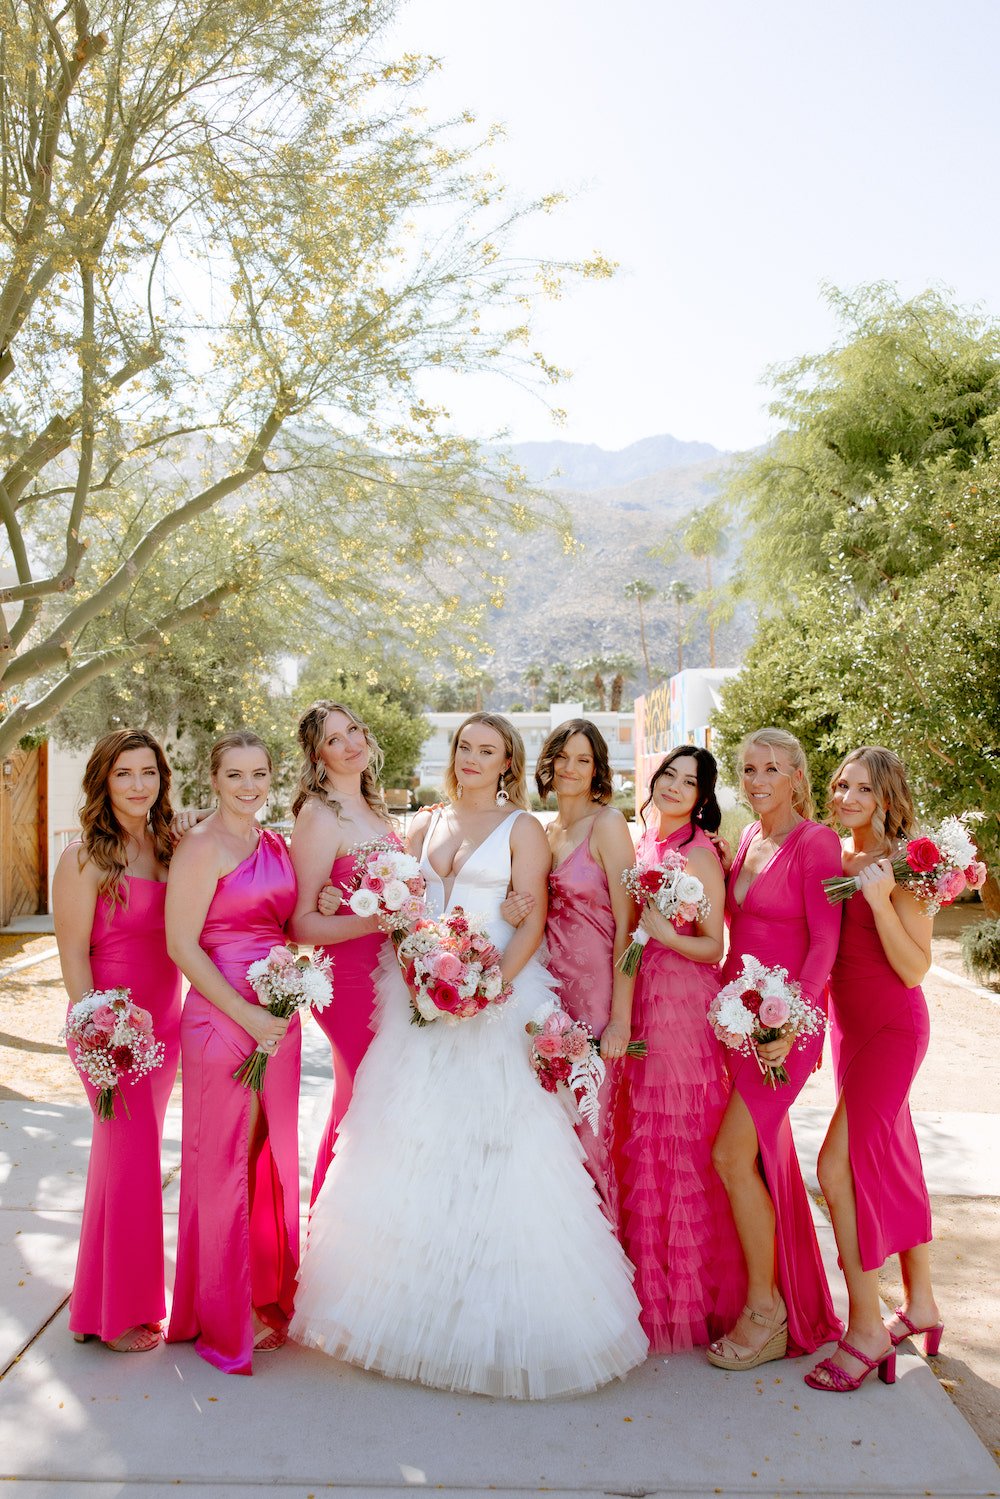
(676, 1224)
(108, 902)
(338, 806)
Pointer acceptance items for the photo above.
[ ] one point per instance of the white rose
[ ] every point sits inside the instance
(493, 985)
(427, 1007)
(364, 902)
(394, 894)
(689, 889)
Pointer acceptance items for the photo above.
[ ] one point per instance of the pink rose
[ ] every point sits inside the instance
(549, 1046)
(280, 957)
(446, 966)
(975, 875)
(773, 1012)
(142, 1021)
(556, 1023)
(922, 855)
(373, 883)
(104, 1018)
(90, 1038)
(951, 884)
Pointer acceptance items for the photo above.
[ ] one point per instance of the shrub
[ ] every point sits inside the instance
(981, 950)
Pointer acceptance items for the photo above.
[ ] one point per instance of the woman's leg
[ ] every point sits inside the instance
(735, 1157)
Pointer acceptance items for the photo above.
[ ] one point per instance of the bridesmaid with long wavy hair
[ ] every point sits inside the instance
(869, 1166)
(108, 902)
(338, 806)
(777, 910)
(230, 894)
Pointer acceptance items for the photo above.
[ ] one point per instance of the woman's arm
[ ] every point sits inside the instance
(903, 927)
(612, 844)
(530, 862)
(704, 945)
(315, 845)
(822, 859)
(74, 902)
(418, 832)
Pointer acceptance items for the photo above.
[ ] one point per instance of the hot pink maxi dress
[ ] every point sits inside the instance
(238, 1242)
(119, 1271)
(786, 919)
(580, 935)
(676, 1222)
(879, 1033)
(348, 1020)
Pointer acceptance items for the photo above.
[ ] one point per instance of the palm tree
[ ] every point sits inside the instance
(534, 676)
(704, 538)
(590, 674)
(642, 592)
(682, 593)
(623, 669)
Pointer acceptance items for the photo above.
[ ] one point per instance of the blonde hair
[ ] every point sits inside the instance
(238, 739)
(892, 819)
(102, 839)
(802, 797)
(513, 778)
(312, 772)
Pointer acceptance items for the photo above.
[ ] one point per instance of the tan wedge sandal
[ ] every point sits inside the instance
(725, 1354)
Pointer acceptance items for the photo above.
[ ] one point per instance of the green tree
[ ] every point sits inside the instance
(681, 594)
(534, 676)
(706, 538)
(623, 670)
(641, 591)
(399, 730)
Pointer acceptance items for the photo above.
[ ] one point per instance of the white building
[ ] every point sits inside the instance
(534, 728)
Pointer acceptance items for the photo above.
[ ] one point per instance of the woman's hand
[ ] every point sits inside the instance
(516, 907)
(183, 822)
(724, 851)
(773, 1053)
(657, 926)
(614, 1039)
(329, 900)
(876, 883)
(266, 1029)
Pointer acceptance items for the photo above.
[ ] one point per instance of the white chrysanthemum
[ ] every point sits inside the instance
(735, 1017)
(394, 893)
(405, 866)
(317, 990)
(364, 903)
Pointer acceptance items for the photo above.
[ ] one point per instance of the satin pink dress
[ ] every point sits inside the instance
(119, 1270)
(786, 919)
(348, 1020)
(879, 1033)
(676, 1223)
(238, 1241)
(580, 935)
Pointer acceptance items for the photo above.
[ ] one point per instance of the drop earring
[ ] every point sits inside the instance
(502, 797)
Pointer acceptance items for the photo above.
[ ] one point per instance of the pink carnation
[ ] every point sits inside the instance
(975, 875)
(576, 1043)
(773, 1012)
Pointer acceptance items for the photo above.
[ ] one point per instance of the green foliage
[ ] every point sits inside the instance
(388, 701)
(981, 951)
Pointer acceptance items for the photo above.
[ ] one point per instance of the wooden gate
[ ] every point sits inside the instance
(23, 833)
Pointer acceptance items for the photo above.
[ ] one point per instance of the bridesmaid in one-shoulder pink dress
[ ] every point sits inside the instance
(777, 911)
(338, 806)
(238, 1230)
(114, 938)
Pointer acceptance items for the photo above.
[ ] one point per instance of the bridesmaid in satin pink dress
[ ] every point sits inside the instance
(108, 898)
(338, 805)
(677, 1225)
(869, 1166)
(777, 911)
(230, 894)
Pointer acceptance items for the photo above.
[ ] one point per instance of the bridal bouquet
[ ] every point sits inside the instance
(452, 968)
(114, 1040)
(564, 1050)
(677, 895)
(389, 885)
(937, 867)
(283, 984)
(762, 1004)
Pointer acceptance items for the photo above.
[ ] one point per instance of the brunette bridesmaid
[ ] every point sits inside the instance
(338, 806)
(231, 892)
(676, 1223)
(869, 1166)
(108, 903)
(777, 911)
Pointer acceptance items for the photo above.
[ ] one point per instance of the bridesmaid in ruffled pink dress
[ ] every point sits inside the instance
(338, 806)
(108, 899)
(676, 1223)
(230, 894)
(777, 911)
(869, 1166)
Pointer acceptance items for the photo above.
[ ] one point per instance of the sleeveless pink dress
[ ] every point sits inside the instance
(119, 1271)
(677, 1225)
(580, 934)
(348, 1021)
(786, 919)
(879, 1033)
(238, 1242)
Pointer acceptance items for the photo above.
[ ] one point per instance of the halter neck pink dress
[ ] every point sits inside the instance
(119, 1271)
(677, 1225)
(786, 919)
(348, 1022)
(879, 1033)
(580, 935)
(238, 1242)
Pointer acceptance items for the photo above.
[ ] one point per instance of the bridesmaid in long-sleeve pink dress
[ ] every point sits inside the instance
(777, 911)
(869, 1166)
(230, 894)
(108, 899)
(338, 806)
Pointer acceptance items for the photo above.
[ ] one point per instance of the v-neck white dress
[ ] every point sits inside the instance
(458, 1239)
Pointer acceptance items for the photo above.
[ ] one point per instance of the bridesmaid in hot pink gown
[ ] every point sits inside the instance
(338, 806)
(676, 1223)
(777, 911)
(231, 893)
(108, 897)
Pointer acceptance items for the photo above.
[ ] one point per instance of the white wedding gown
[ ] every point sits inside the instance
(458, 1239)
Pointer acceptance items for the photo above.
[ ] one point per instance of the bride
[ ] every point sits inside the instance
(458, 1239)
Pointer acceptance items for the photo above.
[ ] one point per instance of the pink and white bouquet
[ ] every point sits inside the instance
(763, 1004)
(114, 1040)
(284, 984)
(564, 1050)
(389, 885)
(452, 968)
(676, 894)
(936, 867)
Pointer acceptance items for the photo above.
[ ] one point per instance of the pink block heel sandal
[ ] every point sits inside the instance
(931, 1335)
(834, 1378)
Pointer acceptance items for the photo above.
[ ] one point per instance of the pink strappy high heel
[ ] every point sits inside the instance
(840, 1382)
(931, 1335)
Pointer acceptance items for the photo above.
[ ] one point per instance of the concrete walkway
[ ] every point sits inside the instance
(80, 1421)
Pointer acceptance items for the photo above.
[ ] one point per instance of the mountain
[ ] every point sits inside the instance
(585, 466)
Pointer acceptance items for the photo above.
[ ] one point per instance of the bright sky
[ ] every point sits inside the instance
(732, 155)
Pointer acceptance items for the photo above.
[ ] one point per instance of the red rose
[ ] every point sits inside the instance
(445, 996)
(922, 855)
(650, 881)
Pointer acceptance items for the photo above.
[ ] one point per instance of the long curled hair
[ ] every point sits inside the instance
(706, 812)
(104, 841)
(513, 779)
(893, 818)
(802, 797)
(601, 788)
(312, 772)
